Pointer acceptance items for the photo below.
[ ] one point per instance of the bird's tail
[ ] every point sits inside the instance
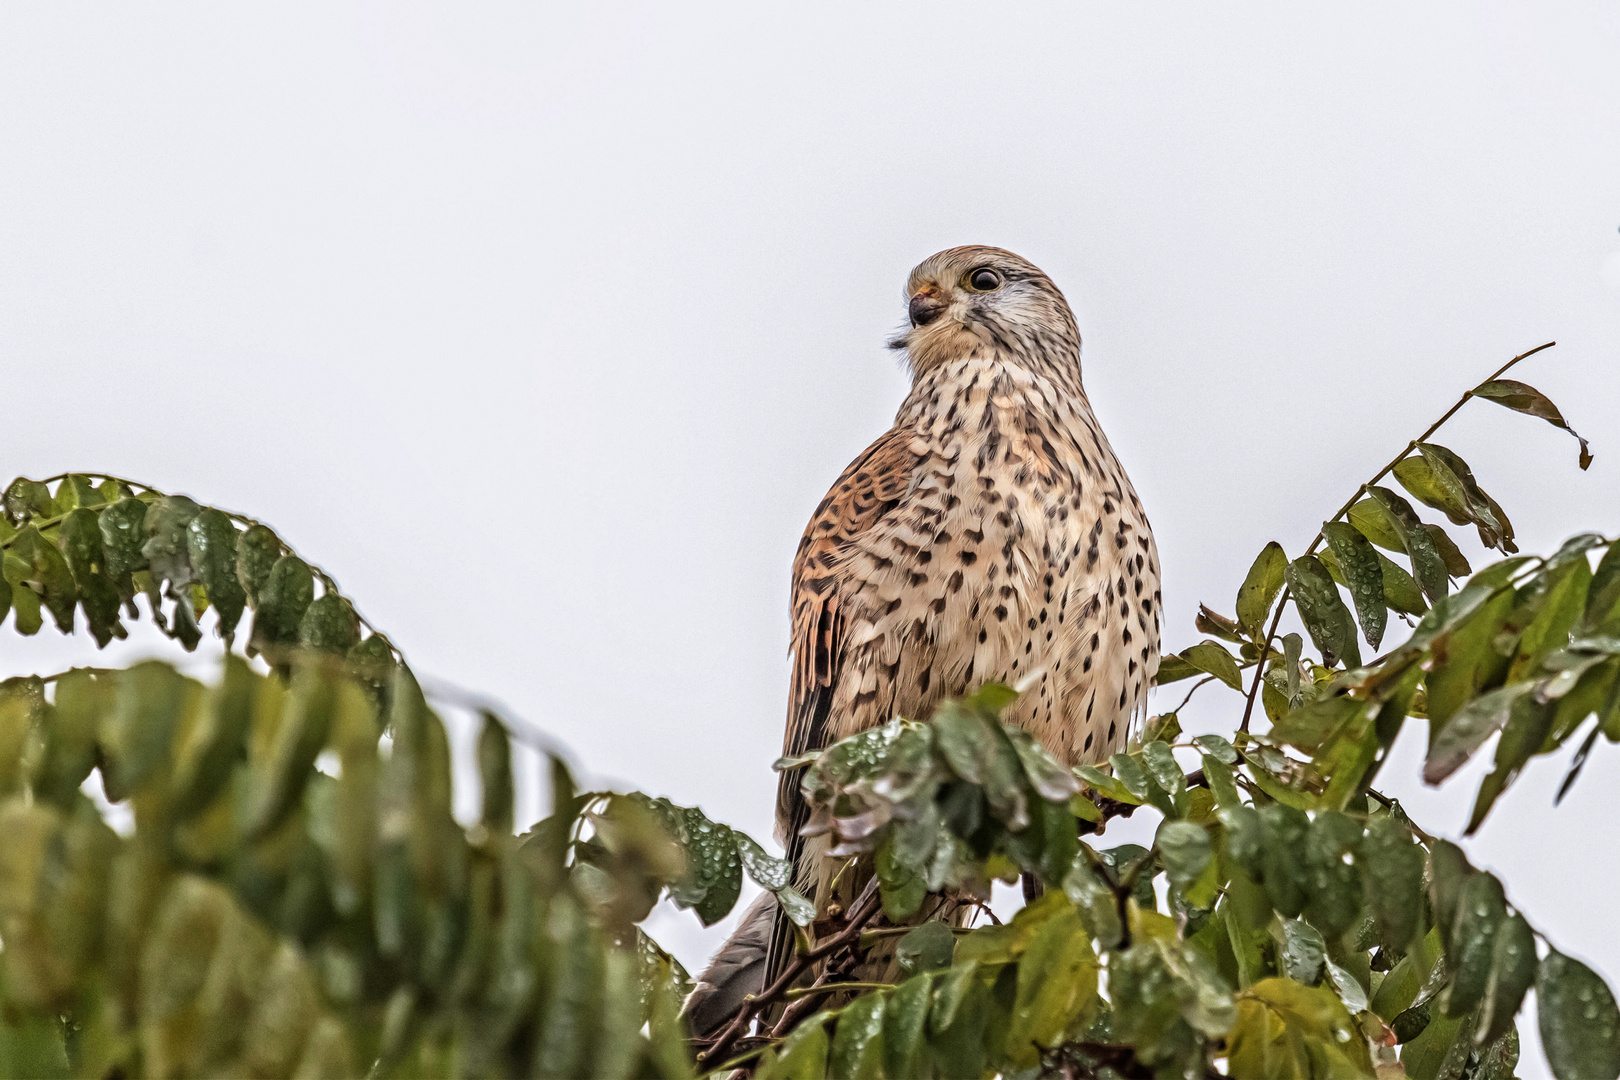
(737, 970)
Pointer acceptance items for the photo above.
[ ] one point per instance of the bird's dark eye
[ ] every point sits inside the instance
(985, 279)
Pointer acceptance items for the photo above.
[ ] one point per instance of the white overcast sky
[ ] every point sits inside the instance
(544, 328)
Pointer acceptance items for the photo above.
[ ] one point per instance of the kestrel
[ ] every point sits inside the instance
(989, 535)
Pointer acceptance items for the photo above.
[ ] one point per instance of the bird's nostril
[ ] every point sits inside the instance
(924, 309)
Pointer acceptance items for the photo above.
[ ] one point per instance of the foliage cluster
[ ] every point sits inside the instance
(295, 896)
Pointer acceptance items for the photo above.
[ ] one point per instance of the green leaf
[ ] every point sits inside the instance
(1283, 857)
(1316, 722)
(1056, 990)
(1524, 398)
(713, 868)
(1222, 784)
(1363, 576)
(905, 1025)
(257, 550)
(1095, 901)
(211, 549)
(1433, 486)
(1050, 779)
(1603, 594)
(1513, 972)
(1393, 864)
(927, 948)
(1427, 564)
(1173, 669)
(1332, 877)
(330, 625)
(1218, 748)
(1286, 1030)
(1580, 1026)
(1324, 614)
(801, 1056)
(1210, 658)
(857, 1047)
(299, 734)
(151, 701)
(80, 536)
(495, 776)
(1260, 588)
(283, 598)
(1468, 729)
(1495, 531)
(1456, 565)
(1448, 873)
(901, 887)
(1161, 765)
(123, 532)
(1371, 520)
(1300, 950)
(1401, 590)
(1480, 912)
(45, 571)
(166, 549)
(1351, 992)
(1184, 849)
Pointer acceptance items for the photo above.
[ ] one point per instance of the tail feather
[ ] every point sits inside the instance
(737, 969)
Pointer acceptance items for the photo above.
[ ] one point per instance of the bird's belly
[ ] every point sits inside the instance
(1010, 595)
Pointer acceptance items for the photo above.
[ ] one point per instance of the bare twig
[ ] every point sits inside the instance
(1282, 601)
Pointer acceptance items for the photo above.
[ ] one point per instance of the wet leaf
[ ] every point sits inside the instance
(1057, 987)
(1393, 864)
(1324, 614)
(1300, 950)
(1513, 972)
(1428, 567)
(801, 1056)
(857, 1046)
(1495, 531)
(166, 549)
(927, 948)
(211, 550)
(1481, 909)
(1209, 657)
(330, 625)
(1524, 398)
(1467, 731)
(1580, 1026)
(1184, 849)
(286, 594)
(80, 536)
(1260, 588)
(26, 499)
(44, 572)
(905, 1022)
(1363, 576)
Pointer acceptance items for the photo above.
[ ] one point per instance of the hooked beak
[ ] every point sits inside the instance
(925, 307)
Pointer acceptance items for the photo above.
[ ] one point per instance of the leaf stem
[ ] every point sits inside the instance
(1282, 600)
(835, 987)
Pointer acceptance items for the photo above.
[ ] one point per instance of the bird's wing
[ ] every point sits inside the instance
(870, 488)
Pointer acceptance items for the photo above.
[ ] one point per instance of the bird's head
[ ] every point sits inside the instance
(983, 299)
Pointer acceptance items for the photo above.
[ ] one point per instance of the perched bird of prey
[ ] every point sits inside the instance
(990, 535)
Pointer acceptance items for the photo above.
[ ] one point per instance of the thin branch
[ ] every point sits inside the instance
(1207, 679)
(860, 913)
(1282, 601)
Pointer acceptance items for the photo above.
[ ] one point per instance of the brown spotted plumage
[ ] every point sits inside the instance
(990, 535)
